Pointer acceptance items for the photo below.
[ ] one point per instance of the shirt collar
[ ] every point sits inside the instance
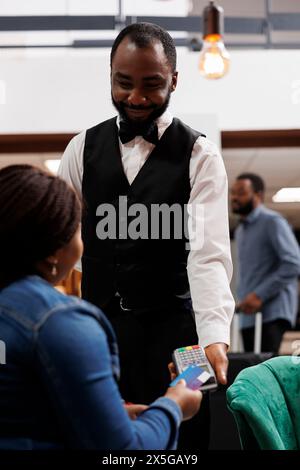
(162, 122)
(254, 214)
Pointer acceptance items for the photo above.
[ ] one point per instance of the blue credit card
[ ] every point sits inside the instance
(194, 376)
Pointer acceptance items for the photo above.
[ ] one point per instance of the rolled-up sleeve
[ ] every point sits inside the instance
(209, 262)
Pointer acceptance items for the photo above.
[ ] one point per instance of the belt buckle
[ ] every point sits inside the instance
(124, 308)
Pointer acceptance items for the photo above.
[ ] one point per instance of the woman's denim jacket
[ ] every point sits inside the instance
(58, 377)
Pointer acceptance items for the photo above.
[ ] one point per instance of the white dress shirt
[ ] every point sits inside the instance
(209, 268)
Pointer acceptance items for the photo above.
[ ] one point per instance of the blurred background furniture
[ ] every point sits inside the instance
(264, 400)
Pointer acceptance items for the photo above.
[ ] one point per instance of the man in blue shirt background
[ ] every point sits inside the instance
(268, 264)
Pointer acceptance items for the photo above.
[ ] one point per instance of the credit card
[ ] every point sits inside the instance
(194, 376)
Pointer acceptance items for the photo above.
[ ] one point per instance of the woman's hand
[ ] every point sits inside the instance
(188, 400)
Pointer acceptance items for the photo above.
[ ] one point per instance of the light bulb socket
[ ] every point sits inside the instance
(213, 20)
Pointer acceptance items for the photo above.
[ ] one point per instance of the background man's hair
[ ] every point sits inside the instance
(39, 213)
(258, 183)
(144, 35)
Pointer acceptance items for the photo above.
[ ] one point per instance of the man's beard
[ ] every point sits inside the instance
(244, 209)
(156, 113)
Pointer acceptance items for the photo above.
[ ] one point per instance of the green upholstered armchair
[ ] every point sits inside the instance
(265, 402)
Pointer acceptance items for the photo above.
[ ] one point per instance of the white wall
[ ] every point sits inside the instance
(66, 90)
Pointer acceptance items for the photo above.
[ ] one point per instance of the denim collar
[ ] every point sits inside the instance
(253, 216)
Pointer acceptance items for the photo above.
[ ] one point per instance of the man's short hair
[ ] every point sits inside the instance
(144, 35)
(257, 182)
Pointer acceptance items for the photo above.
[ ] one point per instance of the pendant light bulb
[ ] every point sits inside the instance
(214, 59)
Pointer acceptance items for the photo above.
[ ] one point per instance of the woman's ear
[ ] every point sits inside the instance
(52, 259)
(48, 267)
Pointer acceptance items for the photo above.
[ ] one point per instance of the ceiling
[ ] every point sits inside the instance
(279, 167)
(73, 23)
(270, 32)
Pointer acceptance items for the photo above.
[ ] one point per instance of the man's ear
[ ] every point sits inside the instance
(174, 81)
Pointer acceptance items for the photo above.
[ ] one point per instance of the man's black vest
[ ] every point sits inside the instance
(144, 271)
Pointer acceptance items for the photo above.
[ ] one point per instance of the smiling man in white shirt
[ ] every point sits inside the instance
(158, 294)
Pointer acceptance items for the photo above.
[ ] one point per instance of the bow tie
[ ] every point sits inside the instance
(129, 131)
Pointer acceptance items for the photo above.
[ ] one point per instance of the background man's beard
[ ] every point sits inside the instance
(156, 113)
(245, 209)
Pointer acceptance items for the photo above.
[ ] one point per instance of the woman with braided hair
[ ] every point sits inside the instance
(58, 386)
(38, 215)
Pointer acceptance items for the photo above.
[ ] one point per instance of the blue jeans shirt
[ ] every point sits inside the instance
(58, 388)
(268, 264)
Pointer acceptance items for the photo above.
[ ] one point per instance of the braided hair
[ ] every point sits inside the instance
(39, 213)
